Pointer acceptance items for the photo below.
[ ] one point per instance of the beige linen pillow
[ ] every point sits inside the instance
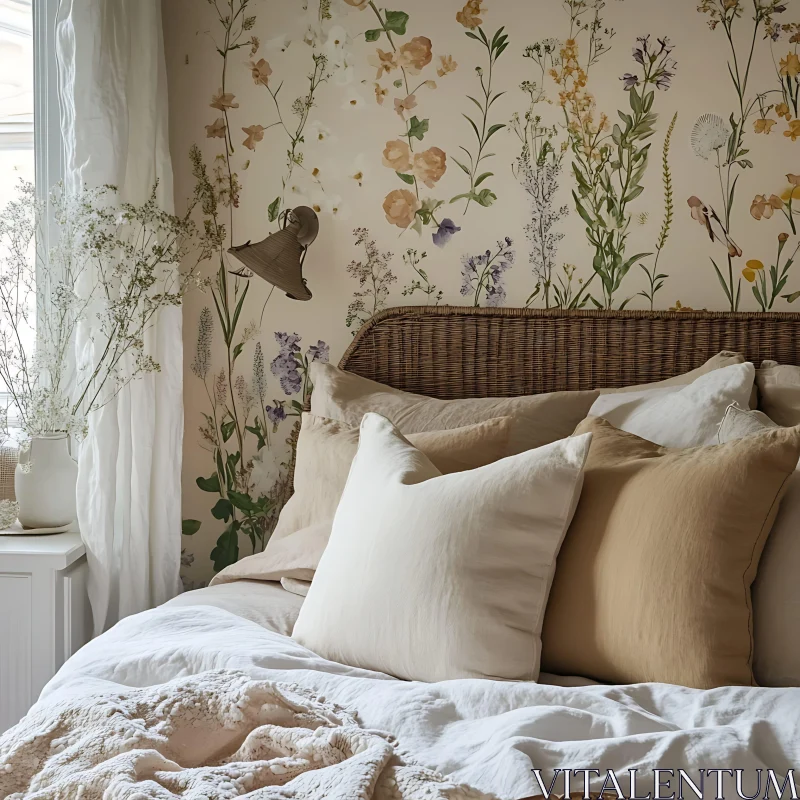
(653, 579)
(538, 419)
(779, 392)
(726, 358)
(431, 577)
(325, 451)
(776, 601)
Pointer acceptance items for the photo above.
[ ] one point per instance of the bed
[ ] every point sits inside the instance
(485, 734)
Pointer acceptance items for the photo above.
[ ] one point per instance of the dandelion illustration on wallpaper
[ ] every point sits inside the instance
(482, 129)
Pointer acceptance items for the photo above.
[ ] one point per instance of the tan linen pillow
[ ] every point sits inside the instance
(431, 577)
(779, 392)
(325, 451)
(723, 359)
(776, 601)
(538, 419)
(653, 579)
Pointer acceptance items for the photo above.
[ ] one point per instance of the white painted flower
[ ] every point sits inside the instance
(337, 44)
(357, 170)
(277, 44)
(314, 35)
(344, 75)
(317, 131)
(354, 100)
(266, 471)
(328, 203)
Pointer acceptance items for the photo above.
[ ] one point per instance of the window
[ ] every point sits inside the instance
(16, 96)
(30, 132)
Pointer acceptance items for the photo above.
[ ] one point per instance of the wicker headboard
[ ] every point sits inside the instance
(452, 352)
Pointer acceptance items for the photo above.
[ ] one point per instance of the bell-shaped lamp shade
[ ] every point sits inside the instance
(279, 258)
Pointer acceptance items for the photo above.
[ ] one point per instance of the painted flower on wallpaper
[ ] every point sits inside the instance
(405, 104)
(217, 129)
(446, 65)
(794, 130)
(397, 156)
(763, 207)
(223, 101)
(260, 70)
(400, 207)
(790, 66)
(255, 134)
(359, 4)
(447, 230)
(319, 132)
(384, 62)
(353, 101)
(469, 16)
(430, 166)
(483, 276)
(764, 125)
(709, 135)
(380, 94)
(374, 276)
(415, 55)
(284, 365)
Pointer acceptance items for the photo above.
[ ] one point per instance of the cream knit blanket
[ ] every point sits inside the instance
(212, 736)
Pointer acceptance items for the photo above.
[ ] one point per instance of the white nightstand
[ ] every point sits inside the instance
(44, 615)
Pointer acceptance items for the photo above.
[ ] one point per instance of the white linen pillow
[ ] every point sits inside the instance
(432, 577)
(776, 600)
(677, 416)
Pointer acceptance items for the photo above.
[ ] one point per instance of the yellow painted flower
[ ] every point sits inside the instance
(469, 15)
(794, 130)
(448, 65)
(749, 272)
(792, 193)
(782, 110)
(790, 66)
(764, 125)
(680, 307)
(380, 93)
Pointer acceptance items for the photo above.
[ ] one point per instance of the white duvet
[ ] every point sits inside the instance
(487, 734)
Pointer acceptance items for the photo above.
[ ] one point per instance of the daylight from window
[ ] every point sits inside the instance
(16, 96)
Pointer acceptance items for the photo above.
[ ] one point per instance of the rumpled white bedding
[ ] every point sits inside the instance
(483, 733)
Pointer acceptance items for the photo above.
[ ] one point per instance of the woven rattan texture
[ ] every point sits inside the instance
(451, 352)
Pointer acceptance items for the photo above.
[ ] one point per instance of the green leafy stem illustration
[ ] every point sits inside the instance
(482, 129)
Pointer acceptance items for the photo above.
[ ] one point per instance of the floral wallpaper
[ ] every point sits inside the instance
(539, 153)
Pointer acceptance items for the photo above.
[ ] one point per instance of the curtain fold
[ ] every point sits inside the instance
(113, 98)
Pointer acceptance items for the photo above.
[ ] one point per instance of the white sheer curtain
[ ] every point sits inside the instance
(113, 96)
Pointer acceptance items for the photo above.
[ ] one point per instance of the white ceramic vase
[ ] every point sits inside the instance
(45, 481)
